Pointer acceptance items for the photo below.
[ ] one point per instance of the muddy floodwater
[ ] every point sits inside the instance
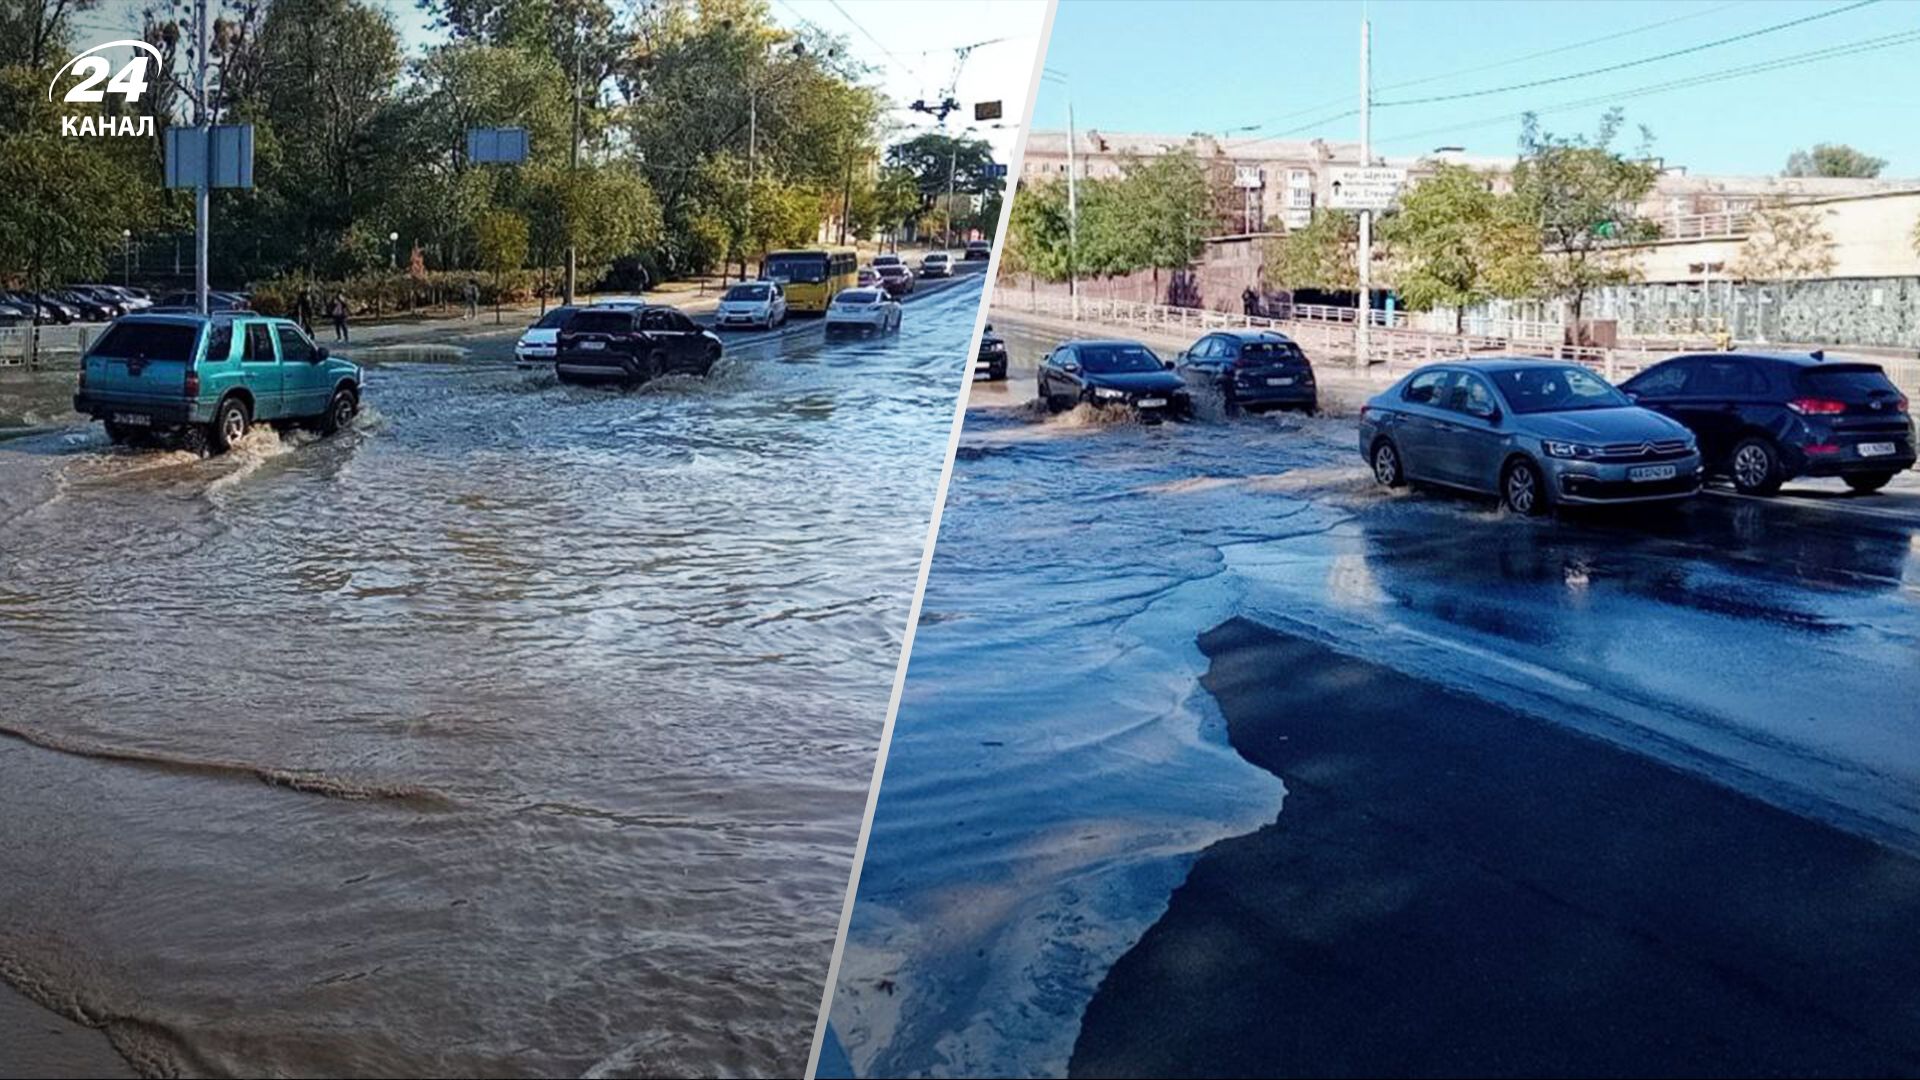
(1059, 765)
(521, 729)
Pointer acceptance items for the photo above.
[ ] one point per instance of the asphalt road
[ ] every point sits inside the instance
(1216, 758)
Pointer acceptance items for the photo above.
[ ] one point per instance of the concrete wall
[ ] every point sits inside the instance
(1880, 313)
(1872, 237)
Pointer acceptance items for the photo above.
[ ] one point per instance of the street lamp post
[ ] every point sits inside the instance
(126, 256)
(1073, 205)
(393, 251)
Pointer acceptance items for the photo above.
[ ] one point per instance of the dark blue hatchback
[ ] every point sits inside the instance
(1764, 418)
(1252, 369)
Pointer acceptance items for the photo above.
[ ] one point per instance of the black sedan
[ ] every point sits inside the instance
(1764, 418)
(993, 356)
(1252, 370)
(630, 345)
(1124, 373)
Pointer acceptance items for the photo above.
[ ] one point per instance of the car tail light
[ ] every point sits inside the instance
(1823, 448)
(1901, 405)
(1813, 406)
(193, 383)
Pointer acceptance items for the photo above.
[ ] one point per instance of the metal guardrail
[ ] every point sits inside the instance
(17, 348)
(1323, 330)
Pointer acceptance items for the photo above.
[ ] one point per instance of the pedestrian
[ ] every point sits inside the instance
(303, 309)
(472, 293)
(1250, 300)
(338, 310)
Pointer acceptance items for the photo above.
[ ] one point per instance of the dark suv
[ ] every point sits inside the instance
(1252, 369)
(993, 356)
(632, 344)
(1763, 419)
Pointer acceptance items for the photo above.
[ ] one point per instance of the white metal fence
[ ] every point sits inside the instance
(1328, 332)
(56, 342)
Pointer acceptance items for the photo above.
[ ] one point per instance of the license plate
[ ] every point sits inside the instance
(1652, 472)
(133, 419)
(593, 345)
(1280, 382)
(1875, 449)
(1152, 402)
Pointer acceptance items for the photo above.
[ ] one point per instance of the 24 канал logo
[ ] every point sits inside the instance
(129, 83)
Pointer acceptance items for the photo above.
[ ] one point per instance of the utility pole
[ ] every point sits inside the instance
(846, 197)
(953, 151)
(1363, 326)
(573, 163)
(753, 142)
(202, 193)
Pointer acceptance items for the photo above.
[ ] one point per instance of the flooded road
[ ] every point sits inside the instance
(522, 729)
(1060, 762)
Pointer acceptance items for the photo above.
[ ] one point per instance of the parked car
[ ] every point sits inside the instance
(217, 300)
(207, 379)
(115, 306)
(1537, 433)
(1764, 418)
(632, 345)
(126, 297)
(12, 314)
(936, 264)
(1124, 373)
(979, 250)
(896, 279)
(1252, 369)
(536, 345)
(873, 311)
(992, 357)
(752, 303)
(91, 308)
(63, 312)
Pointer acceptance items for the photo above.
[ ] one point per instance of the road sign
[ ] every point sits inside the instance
(1354, 187)
(986, 110)
(231, 161)
(998, 168)
(1249, 177)
(502, 146)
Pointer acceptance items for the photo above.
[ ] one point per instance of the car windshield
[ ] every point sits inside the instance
(747, 292)
(1554, 388)
(1267, 352)
(1118, 359)
(1858, 380)
(554, 319)
(808, 268)
(153, 341)
(600, 322)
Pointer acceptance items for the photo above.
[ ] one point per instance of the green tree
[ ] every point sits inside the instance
(1834, 159)
(1454, 243)
(1037, 233)
(1163, 206)
(500, 239)
(931, 155)
(1320, 255)
(1785, 242)
(1583, 198)
(604, 212)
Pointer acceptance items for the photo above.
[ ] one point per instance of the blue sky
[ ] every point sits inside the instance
(1156, 66)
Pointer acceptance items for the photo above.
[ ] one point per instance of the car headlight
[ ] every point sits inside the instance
(1108, 394)
(1567, 449)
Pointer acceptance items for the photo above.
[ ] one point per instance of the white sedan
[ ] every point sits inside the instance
(752, 303)
(536, 347)
(936, 264)
(870, 310)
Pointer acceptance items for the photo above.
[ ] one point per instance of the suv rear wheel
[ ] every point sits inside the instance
(1755, 467)
(230, 423)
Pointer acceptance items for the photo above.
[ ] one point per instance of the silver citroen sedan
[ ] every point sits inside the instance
(1537, 433)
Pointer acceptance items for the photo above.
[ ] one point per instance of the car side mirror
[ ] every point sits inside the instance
(320, 353)
(1632, 395)
(1167, 364)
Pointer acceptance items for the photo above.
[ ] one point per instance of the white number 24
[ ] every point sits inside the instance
(129, 82)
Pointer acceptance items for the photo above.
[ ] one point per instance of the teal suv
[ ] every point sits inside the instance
(205, 379)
